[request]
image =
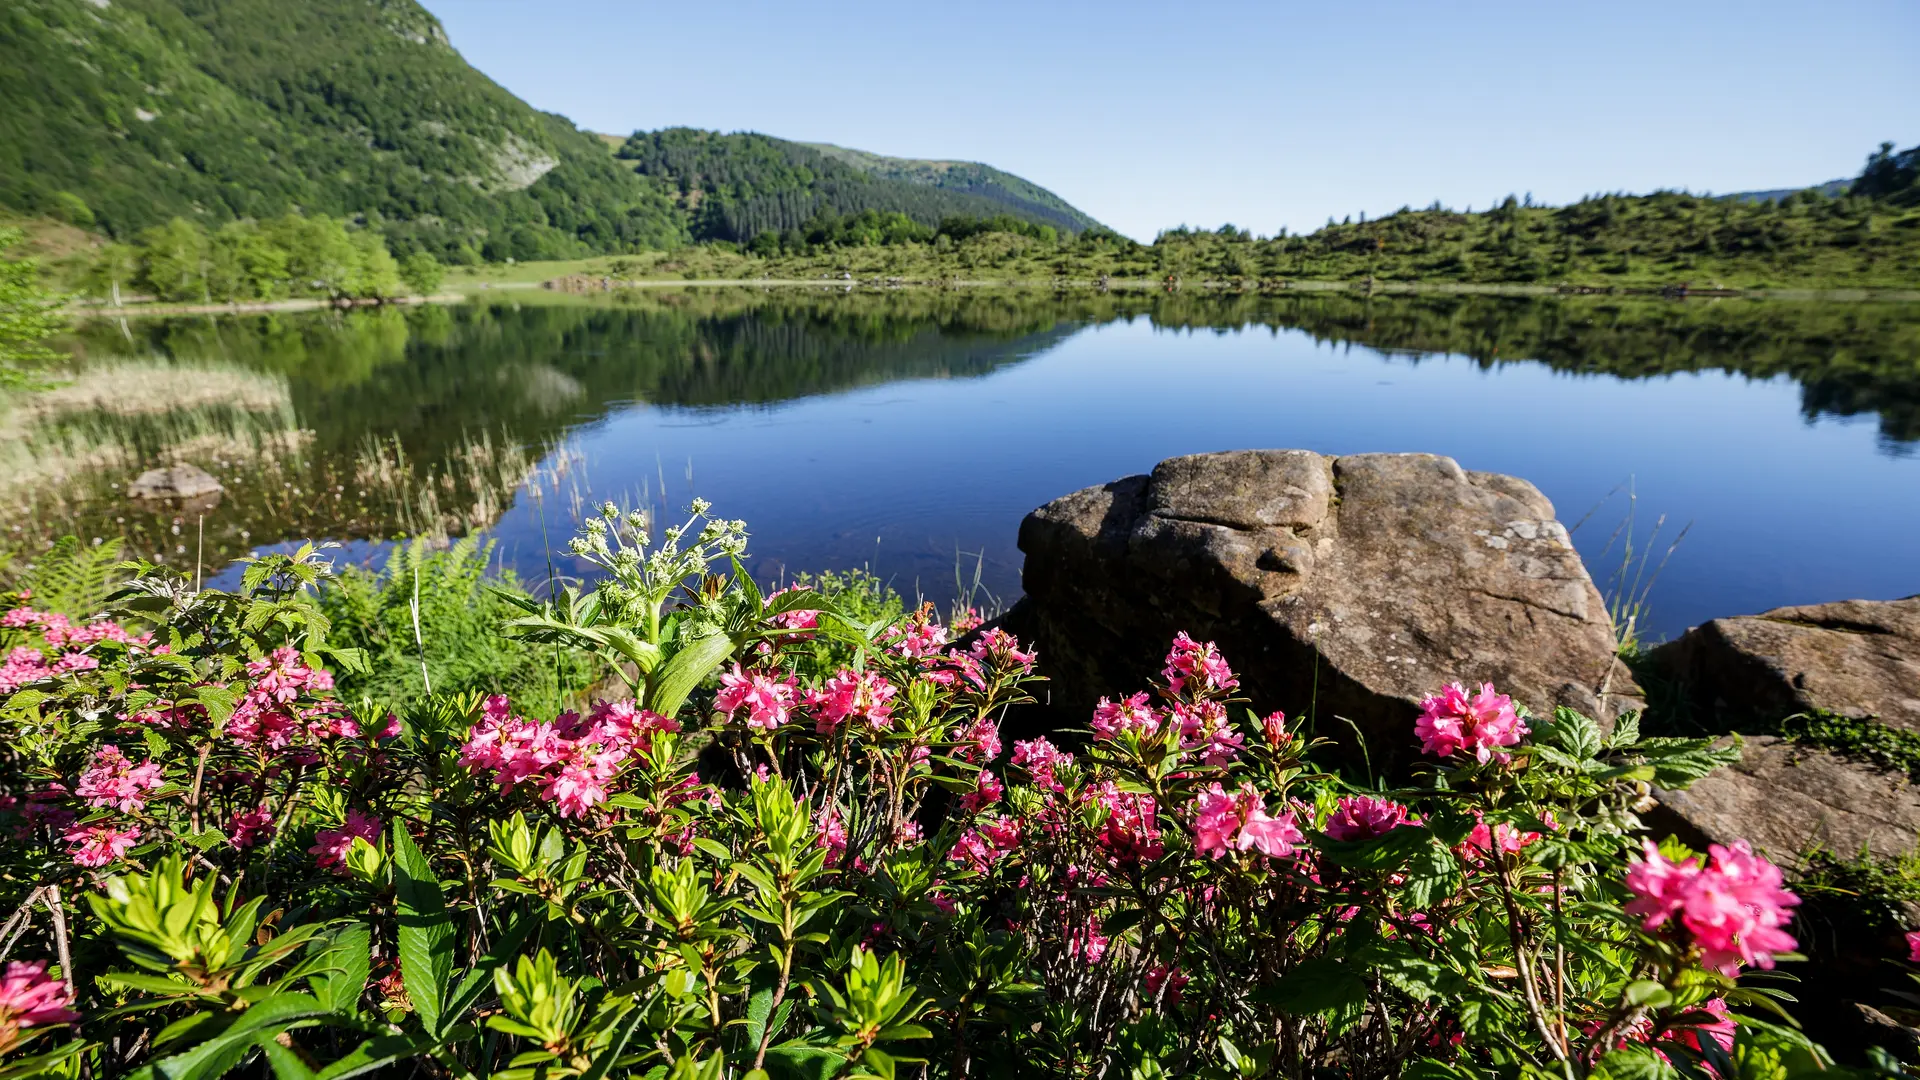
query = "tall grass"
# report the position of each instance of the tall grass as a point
(1629, 585)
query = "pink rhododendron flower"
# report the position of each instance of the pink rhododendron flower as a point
(919, 637)
(979, 741)
(833, 837)
(1205, 731)
(999, 649)
(767, 698)
(864, 696)
(250, 828)
(1040, 758)
(987, 790)
(114, 781)
(29, 997)
(1364, 817)
(1087, 944)
(1133, 714)
(1274, 727)
(1485, 839)
(1913, 946)
(330, 846)
(1733, 908)
(981, 846)
(1239, 821)
(966, 621)
(1131, 830)
(1451, 722)
(1172, 978)
(98, 845)
(1194, 668)
(576, 790)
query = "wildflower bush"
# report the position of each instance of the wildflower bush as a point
(795, 845)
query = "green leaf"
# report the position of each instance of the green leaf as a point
(377, 1053)
(425, 937)
(678, 676)
(286, 1064)
(1322, 986)
(220, 1053)
(1633, 1063)
(618, 1046)
(480, 978)
(351, 956)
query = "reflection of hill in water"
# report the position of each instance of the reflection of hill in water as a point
(435, 375)
(535, 370)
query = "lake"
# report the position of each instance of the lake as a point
(910, 432)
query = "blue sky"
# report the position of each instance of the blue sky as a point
(1148, 115)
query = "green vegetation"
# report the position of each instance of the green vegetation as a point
(272, 260)
(27, 315)
(122, 116)
(457, 606)
(749, 188)
(969, 177)
(762, 226)
(1862, 737)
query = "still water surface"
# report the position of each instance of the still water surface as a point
(912, 433)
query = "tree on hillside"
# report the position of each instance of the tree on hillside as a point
(113, 265)
(29, 314)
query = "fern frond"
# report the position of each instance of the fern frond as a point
(73, 578)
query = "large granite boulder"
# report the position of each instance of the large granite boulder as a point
(1858, 658)
(1340, 587)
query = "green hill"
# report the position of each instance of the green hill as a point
(969, 177)
(738, 186)
(124, 113)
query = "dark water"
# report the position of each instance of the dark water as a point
(910, 432)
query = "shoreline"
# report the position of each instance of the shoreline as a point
(467, 292)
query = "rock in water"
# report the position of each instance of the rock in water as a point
(1346, 587)
(174, 482)
(1857, 657)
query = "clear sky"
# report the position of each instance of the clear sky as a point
(1149, 115)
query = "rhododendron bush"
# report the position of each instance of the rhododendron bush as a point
(790, 842)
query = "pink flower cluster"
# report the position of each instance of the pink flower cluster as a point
(767, 698)
(1238, 821)
(1194, 668)
(981, 846)
(29, 997)
(572, 758)
(978, 741)
(1451, 722)
(330, 846)
(1131, 715)
(862, 696)
(1040, 757)
(66, 643)
(1205, 730)
(1131, 830)
(251, 828)
(1364, 817)
(272, 715)
(1733, 908)
(113, 780)
(97, 845)
(998, 649)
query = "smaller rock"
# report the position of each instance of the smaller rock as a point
(1859, 658)
(1787, 799)
(175, 482)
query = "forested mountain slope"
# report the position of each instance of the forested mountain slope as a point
(124, 113)
(971, 177)
(738, 186)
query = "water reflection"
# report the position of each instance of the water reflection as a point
(932, 420)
